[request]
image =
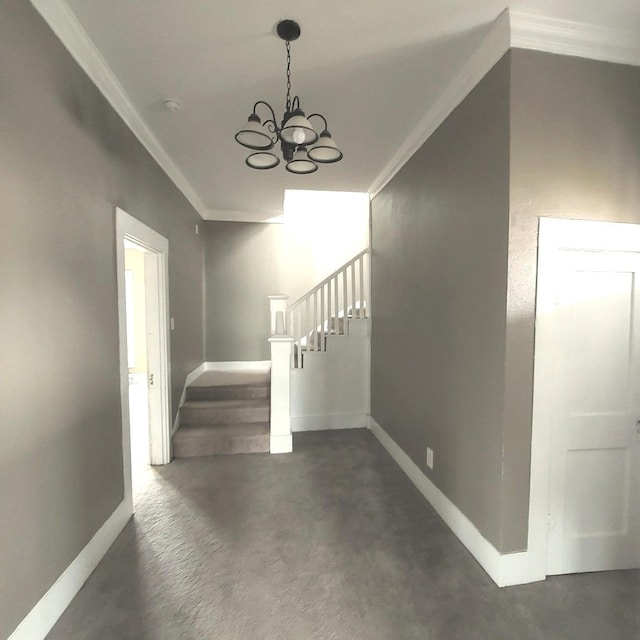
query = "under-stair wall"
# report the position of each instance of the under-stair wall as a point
(331, 391)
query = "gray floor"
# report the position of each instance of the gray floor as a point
(329, 542)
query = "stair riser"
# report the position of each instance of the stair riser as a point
(221, 415)
(212, 445)
(234, 392)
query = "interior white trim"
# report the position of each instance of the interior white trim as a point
(329, 422)
(128, 227)
(196, 373)
(494, 45)
(569, 38)
(243, 216)
(39, 621)
(504, 570)
(71, 33)
(281, 444)
(238, 365)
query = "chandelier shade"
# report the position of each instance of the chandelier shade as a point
(254, 136)
(300, 163)
(298, 130)
(325, 150)
(262, 160)
(301, 146)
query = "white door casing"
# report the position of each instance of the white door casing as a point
(585, 476)
(157, 314)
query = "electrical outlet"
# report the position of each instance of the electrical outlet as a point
(429, 458)
(197, 229)
(173, 324)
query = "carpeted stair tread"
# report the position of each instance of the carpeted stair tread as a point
(219, 378)
(229, 392)
(225, 411)
(224, 404)
(242, 428)
(221, 439)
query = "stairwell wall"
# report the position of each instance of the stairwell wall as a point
(67, 160)
(440, 233)
(248, 261)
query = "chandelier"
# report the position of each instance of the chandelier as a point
(301, 146)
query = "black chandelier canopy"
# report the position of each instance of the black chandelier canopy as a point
(301, 146)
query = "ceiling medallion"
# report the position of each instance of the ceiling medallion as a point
(301, 146)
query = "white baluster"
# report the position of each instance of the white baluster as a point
(315, 320)
(345, 297)
(361, 265)
(321, 348)
(337, 311)
(329, 307)
(353, 289)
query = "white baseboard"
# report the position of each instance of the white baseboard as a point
(326, 423)
(281, 444)
(51, 606)
(504, 570)
(238, 365)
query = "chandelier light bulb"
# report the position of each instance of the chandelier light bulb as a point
(298, 135)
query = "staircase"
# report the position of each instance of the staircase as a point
(225, 412)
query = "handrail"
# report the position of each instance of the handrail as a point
(327, 279)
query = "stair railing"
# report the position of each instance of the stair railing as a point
(324, 310)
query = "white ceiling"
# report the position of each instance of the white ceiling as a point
(372, 67)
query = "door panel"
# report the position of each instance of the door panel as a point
(593, 490)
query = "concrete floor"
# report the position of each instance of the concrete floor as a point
(331, 542)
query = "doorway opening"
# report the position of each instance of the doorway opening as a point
(143, 311)
(135, 300)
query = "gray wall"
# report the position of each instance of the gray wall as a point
(575, 153)
(439, 284)
(572, 138)
(242, 270)
(246, 262)
(66, 161)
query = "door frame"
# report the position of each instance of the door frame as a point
(555, 234)
(129, 228)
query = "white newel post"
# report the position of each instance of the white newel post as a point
(281, 342)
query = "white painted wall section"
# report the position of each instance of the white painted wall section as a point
(331, 391)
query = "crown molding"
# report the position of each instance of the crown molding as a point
(569, 38)
(494, 45)
(243, 216)
(521, 30)
(66, 26)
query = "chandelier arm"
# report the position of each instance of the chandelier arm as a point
(270, 124)
(266, 104)
(319, 115)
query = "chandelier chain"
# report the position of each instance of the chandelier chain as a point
(288, 76)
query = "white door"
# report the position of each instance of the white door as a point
(592, 335)
(154, 359)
